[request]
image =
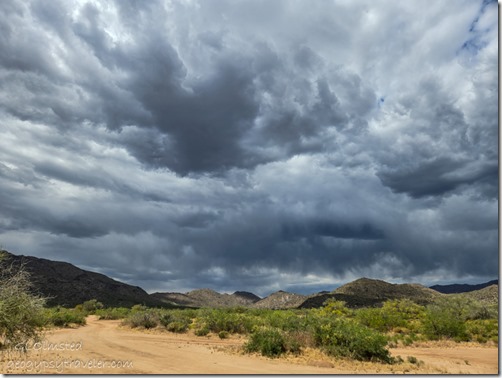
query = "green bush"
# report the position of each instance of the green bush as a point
(482, 330)
(218, 320)
(145, 319)
(223, 334)
(401, 315)
(335, 307)
(347, 338)
(91, 306)
(447, 319)
(269, 342)
(177, 327)
(64, 317)
(112, 313)
(176, 320)
(21, 313)
(202, 330)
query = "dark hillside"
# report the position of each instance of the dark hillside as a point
(66, 285)
(462, 288)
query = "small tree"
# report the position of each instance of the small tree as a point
(21, 313)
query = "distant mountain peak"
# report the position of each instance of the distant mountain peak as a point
(462, 288)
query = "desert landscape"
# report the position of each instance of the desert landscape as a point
(366, 326)
(154, 352)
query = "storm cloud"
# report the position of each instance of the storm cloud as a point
(249, 145)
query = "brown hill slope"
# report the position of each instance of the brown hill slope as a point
(381, 290)
(66, 285)
(208, 298)
(488, 295)
(281, 300)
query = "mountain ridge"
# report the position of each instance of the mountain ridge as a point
(67, 285)
(462, 288)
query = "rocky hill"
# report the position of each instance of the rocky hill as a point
(488, 295)
(366, 288)
(66, 285)
(208, 298)
(281, 300)
(351, 301)
(462, 288)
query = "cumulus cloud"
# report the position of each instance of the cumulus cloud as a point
(251, 145)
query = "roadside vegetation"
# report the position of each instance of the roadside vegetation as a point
(364, 334)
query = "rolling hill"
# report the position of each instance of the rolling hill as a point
(208, 298)
(382, 291)
(66, 285)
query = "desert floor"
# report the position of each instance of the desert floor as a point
(104, 347)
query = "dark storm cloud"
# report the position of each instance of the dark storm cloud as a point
(439, 176)
(329, 228)
(245, 145)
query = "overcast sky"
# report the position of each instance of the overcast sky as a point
(252, 145)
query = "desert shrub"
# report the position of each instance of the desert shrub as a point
(446, 319)
(334, 307)
(91, 306)
(166, 318)
(286, 320)
(21, 313)
(176, 320)
(223, 334)
(347, 338)
(202, 330)
(372, 318)
(112, 313)
(269, 342)
(218, 320)
(139, 308)
(177, 327)
(145, 319)
(482, 330)
(64, 317)
(481, 311)
(402, 316)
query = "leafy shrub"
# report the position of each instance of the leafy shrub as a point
(21, 313)
(412, 360)
(335, 307)
(176, 320)
(145, 319)
(202, 330)
(223, 334)
(112, 313)
(64, 317)
(138, 308)
(218, 320)
(91, 306)
(177, 326)
(446, 319)
(347, 338)
(402, 315)
(166, 318)
(482, 330)
(269, 342)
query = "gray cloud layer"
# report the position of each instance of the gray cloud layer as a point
(251, 145)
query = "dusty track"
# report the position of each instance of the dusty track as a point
(107, 343)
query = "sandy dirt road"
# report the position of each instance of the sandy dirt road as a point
(103, 347)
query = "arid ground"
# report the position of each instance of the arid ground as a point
(104, 347)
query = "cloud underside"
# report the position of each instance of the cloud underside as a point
(251, 145)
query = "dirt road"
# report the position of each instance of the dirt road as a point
(103, 347)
